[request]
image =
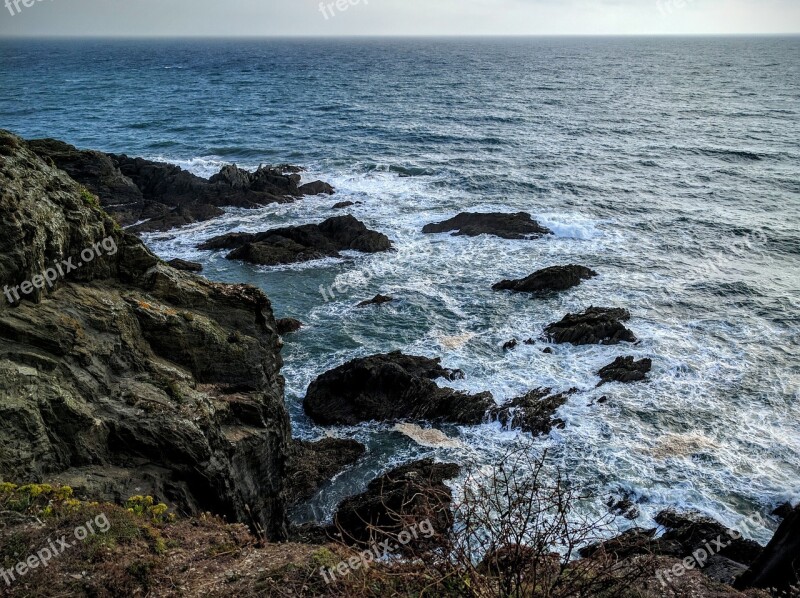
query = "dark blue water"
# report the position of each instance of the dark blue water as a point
(670, 165)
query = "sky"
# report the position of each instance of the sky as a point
(225, 18)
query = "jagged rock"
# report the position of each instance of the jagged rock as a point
(388, 387)
(180, 264)
(312, 464)
(287, 325)
(510, 345)
(506, 226)
(626, 370)
(376, 300)
(342, 204)
(317, 188)
(301, 243)
(533, 412)
(555, 278)
(596, 325)
(128, 373)
(397, 500)
(778, 565)
(154, 196)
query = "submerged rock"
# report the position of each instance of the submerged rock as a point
(312, 464)
(506, 226)
(155, 196)
(287, 325)
(625, 369)
(301, 243)
(596, 325)
(376, 300)
(555, 278)
(404, 497)
(534, 411)
(389, 387)
(128, 376)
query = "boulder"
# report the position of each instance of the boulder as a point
(312, 464)
(548, 280)
(342, 204)
(389, 387)
(128, 376)
(596, 325)
(287, 325)
(397, 501)
(510, 345)
(316, 188)
(533, 412)
(626, 370)
(506, 226)
(376, 300)
(294, 244)
(180, 264)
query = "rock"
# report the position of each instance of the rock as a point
(376, 300)
(530, 341)
(626, 370)
(596, 325)
(165, 196)
(179, 264)
(692, 531)
(287, 325)
(632, 542)
(137, 384)
(301, 243)
(342, 204)
(723, 569)
(506, 226)
(783, 511)
(316, 188)
(547, 350)
(398, 500)
(312, 464)
(603, 399)
(778, 565)
(389, 387)
(533, 412)
(510, 345)
(555, 278)
(624, 507)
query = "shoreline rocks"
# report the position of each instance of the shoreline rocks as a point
(596, 325)
(548, 280)
(293, 244)
(506, 226)
(388, 387)
(313, 464)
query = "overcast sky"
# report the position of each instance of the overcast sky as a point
(396, 17)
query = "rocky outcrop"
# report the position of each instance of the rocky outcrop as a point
(301, 243)
(126, 376)
(596, 325)
(154, 196)
(403, 498)
(548, 280)
(376, 300)
(180, 264)
(389, 387)
(312, 464)
(506, 226)
(534, 411)
(626, 370)
(778, 566)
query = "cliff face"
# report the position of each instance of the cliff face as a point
(120, 375)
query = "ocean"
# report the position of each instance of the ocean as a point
(669, 165)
